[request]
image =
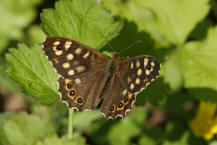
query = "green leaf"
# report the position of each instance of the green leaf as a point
(178, 105)
(155, 133)
(4, 40)
(131, 34)
(146, 140)
(213, 143)
(121, 132)
(35, 35)
(168, 21)
(5, 80)
(205, 94)
(199, 62)
(156, 93)
(173, 71)
(182, 141)
(16, 15)
(23, 129)
(81, 20)
(54, 140)
(33, 73)
(138, 115)
(3, 119)
(178, 135)
(84, 120)
(200, 31)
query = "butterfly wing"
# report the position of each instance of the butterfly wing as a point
(81, 69)
(132, 77)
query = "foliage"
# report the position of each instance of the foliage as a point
(80, 20)
(182, 34)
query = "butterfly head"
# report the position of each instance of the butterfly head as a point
(116, 57)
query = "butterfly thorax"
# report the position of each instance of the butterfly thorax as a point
(115, 61)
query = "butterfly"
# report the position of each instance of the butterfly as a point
(88, 77)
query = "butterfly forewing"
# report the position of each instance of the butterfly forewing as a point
(71, 58)
(132, 77)
(81, 69)
(138, 72)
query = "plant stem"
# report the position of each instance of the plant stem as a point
(70, 125)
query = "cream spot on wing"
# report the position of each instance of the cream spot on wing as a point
(59, 52)
(66, 65)
(145, 62)
(77, 81)
(124, 92)
(54, 48)
(129, 96)
(80, 68)
(131, 65)
(131, 86)
(67, 81)
(70, 56)
(67, 45)
(151, 69)
(137, 81)
(147, 72)
(129, 80)
(71, 72)
(137, 64)
(139, 72)
(78, 51)
(152, 79)
(56, 43)
(86, 55)
(152, 64)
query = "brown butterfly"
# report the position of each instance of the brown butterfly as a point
(87, 76)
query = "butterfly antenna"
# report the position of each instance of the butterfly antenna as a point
(106, 41)
(138, 41)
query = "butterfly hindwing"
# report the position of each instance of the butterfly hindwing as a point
(132, 77)
(81, 71)
(117, 100)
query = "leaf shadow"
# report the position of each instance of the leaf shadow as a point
(205, 94)
(129, 35)
(155, 93)
(178, 133)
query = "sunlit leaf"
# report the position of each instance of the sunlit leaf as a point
(81, 20)
(168, 21)
(23, 129)
(199, 62)
(33, 73)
